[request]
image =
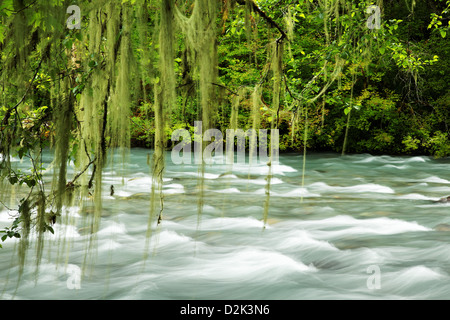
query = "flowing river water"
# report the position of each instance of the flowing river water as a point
(361, 227)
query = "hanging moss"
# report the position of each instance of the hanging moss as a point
(277, 69)
(25, 217)
(290, 25)
(142, 26)
(95, 112)
(305, 142)
(255, 119)
(200, 34)
(248, 16)
(41, 227)
(63, 121)
(166, 43)
(164, 100)
(236, 100)
(267, 190)
(21, 31)
(120, 103)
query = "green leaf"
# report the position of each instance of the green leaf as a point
(30, 182)
(13, 179)
(2, 34)
(16, 223)
(21, 152)
(4, 237)
(68, 43)
(443, 33)
(50, 229)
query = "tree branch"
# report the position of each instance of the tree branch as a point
(265, 17)
(8, 112)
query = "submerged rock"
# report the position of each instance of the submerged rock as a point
(444, 200)
(139, 196)
(90, 211)
(84, 231)
(442, 227)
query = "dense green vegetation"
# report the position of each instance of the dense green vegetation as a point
(393, 78)
(139, 69)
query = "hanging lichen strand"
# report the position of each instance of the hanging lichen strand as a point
(142, 26)
(235, 101)
(63, 106)
(200, 34)
(255, 119)
(95, 112)
(164, 101)
(15, 49)
(277, 69)
(120, 105)
(105, 105)
(199, 31)
(20, 28)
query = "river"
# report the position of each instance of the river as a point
(360, 227)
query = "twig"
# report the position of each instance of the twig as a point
(9, 209)
(81, 172)
(228, 89)
(8, 112)
(24, 8)
(265, 17)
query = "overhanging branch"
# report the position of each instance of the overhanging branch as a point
(271, 22)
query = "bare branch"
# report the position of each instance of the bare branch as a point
(265, 17)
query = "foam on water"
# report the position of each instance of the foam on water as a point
(250, 264)
(302, 240)
(320, 248)
(417, 196)
(206, 175)
(347, 226)
(297, 192)
(112, 228)
(228, 190)
(6, 218)
(417, 159)
(416, 282)
(262, 169)
(64, 232)
(109, 245)
(232, 224)
(435, 179)
(390, 160)
(366, 160)
(361, 188)
(262, 181)
(122, 193)
(402, 167)
(169, 238)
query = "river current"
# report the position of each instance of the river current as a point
(359, 227)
